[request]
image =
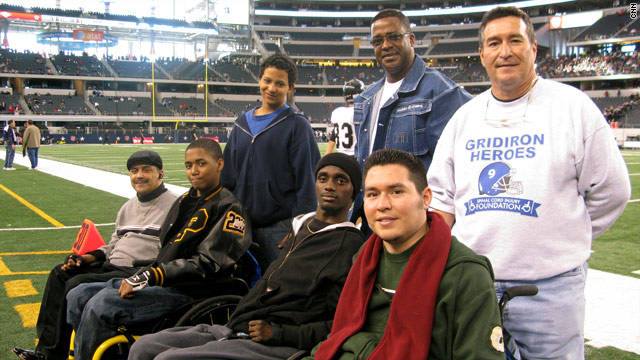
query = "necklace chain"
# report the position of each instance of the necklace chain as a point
(309, 228)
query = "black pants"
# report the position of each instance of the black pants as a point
(53, 331)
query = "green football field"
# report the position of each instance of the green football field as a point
(26, 256)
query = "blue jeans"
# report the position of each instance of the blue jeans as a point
(549, 325)
(9, 155)
(95, 310)
(33, 156)
(268, 237)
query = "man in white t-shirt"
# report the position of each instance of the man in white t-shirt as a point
(343, 136)
(530, 174)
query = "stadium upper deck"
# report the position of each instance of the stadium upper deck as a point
(328, 55)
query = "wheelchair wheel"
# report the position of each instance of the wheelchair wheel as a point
(212, 311)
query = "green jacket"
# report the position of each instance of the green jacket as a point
(467, 320)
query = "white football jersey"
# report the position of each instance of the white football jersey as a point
(344, 131)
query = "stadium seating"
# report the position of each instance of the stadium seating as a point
(22, 62)
(134, 69)
(57, 105)
(590, 65)
(79, 65)
(233, 71)
(605, 27)
(185, 106)
(470, 47)
(316, 112)
(632, 29)
(319, 50)
(233, 107)
(272, 48)
(10, 104)
(310, 74)
(467, 33)
(113, 105)
(338, 75)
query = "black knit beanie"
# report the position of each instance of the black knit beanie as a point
(348, 164)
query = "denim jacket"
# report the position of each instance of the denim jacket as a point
(413, 119)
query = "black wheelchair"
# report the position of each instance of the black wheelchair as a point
(511, 351)
(208, 307)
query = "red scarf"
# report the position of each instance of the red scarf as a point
(407, 334)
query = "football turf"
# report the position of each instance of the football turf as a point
(27, 256)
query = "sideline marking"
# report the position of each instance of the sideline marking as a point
(5, 271)
(18, 288)
(52, 228)
(28, 314)
(633, 201)
(634, 174)
(43, 252)
(32, 207)
(637, 272)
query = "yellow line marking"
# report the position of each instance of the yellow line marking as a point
(32, 207)
(28, 314)
(5, 271)
(18, 288)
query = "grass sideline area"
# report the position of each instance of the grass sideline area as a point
(27, 256)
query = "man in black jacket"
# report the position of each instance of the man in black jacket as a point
(291, 307)
(202, 237)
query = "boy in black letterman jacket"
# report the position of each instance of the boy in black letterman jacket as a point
(292, 306)
(205, 233)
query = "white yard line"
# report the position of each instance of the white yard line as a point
(612, 311)
(52, 228)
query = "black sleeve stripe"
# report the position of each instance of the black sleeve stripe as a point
(145, 231)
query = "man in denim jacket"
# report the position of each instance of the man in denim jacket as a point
(410, 107)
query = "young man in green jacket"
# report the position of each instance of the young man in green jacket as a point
(444, 304)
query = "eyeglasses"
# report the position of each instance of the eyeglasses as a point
(392, 37)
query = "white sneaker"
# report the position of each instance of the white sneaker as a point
(10, 168)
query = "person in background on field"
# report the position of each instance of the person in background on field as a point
(31, 143)
(343, 135)
(10, 142)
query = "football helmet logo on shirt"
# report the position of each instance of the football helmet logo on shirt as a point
(496, 179)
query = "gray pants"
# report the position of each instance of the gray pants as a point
(201, 342)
